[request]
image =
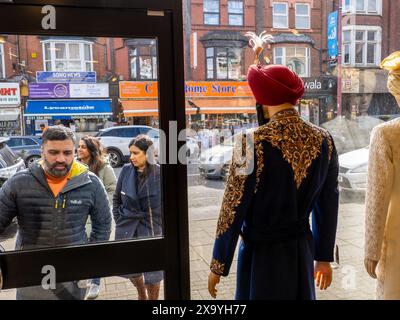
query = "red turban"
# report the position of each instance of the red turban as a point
(273, 84)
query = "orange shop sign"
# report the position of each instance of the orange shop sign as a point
(198, 89)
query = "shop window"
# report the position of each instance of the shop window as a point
(296, 58)
(280, 15)
(302, 16)
(2, 64)
(223, 63)
(235, 13)
(143, 60)
(68, 56)
(362, 6)
(362, 46)
(211, 12)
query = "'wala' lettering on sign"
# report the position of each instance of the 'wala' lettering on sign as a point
(9, 93)
(313, 85)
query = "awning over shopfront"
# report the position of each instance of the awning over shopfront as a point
(38, 108)
(146, 108)
(9, 114)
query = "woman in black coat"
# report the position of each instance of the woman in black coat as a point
(137, 208)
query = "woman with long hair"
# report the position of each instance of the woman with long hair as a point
(92, 153)
(137, 208)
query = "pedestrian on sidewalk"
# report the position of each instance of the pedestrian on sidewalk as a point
(280, 172)
(137, 208)
(52, 201)
(92, 153)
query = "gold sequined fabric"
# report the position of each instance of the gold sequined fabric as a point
(240, 168)
(300, 142)
(217, 267)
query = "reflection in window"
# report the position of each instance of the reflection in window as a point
(296, 58)
(2, 65)
(302, 16)
(224, 63)
(143, 60)
(280, 15)
(361, 46)
(211, 12)
(235, 13)
(68, 56)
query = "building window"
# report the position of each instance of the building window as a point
(280, 15)
(295, 58)
(2, 64)
(302, 16)
(68, 56)
(235, 13)
(362, 6)
(362, 46)
(223, 63)
(211, 12)
(143, 60)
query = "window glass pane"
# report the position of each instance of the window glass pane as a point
(210, 52)
(360, 5)
(87, 52)
(371, 35)
(278, 51)
(372, 6)
(371, 53)
(302, 22)
(302, 9)
(359, 35)
(297, 65)
(74, 66)
(290, 52)
(234, 63)
(47, 51)
(222, 64)
(60, 50)
(280, 22)
(210, 18)
(29, 142)
(133, 68)
(359, 52)
(278, 60)
(14, 142)
(300, 52)
(346, 36)
(211, 6)
(48, 65)
(210, 68)
(61, 66)
(145, 67)
(280, 8)
(88, 66)
(347, 54)
(235, 20)
(155, 75)
(133, 51)
(74, 51)
(235, 7)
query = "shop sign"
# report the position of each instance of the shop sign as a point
(319, 84)
(10, 93)
(68, 90)
(212, 89)
(67, 76)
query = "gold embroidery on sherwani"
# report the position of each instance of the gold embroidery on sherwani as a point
(299, 142)
(217, 267)
(238, 172)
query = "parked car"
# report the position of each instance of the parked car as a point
(214, 162)
(353, 170)
(10, 163)
(116, 141)
(26, 147)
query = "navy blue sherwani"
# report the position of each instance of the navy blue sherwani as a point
(279, 174)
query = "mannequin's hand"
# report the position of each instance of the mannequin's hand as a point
(213, 279)
(370, 266)
(323, 274)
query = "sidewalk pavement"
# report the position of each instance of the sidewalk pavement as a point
(350, 281)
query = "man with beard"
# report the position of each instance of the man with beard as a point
(52, 201)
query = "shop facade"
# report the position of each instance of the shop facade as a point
(10, 104)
